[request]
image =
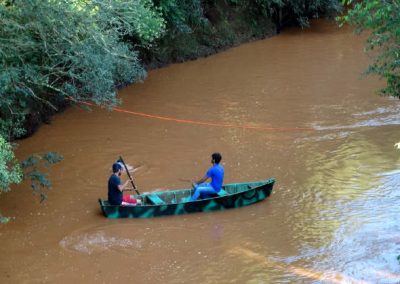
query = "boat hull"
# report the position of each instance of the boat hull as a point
(176, 202)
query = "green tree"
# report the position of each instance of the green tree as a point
(54, 52)
(13, 172)
(10, 170)
(382, 20)
(293, 11)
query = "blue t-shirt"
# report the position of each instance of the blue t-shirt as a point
(216, 173)
(114, 194)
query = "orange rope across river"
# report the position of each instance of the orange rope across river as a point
(205, 123)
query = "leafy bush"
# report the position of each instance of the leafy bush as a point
(59, 49)
(382, 20)
(10, 170)
(290, 12)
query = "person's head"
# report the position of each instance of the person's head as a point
(119, 162)
(116, 168)
(216, 158)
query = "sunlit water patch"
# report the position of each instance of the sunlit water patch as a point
(350, 240)
(322, 136)
(380, 116)
(366, 244)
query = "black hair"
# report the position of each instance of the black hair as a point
(216, 157)
(116, 167)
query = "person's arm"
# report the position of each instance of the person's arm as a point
(201, 180)
(205, 178)
(134, 170)
(131, 169)
(121, 187)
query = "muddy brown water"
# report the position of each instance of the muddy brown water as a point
(333, 215)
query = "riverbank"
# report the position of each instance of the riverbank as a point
(225, 27)
(179, 32)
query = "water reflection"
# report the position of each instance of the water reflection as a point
(346, 211)
(326, 276)
(362, 242)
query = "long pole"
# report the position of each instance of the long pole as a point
(129, 175)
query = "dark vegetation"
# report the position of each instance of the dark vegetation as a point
(382, 20)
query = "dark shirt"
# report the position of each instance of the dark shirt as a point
(114, 194)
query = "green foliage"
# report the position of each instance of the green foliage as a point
(176, 17)
(184, 21)
(382, 20)
(10, 170)
(181, 16)
(52, 50)
(57, 50)
(39, 179)
(127, 17)
(299, 11)
(304, 10)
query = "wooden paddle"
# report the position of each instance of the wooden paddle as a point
(129, 175)
(189, 181)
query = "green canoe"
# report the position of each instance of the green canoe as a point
(176, 202)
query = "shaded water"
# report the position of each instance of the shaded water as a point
(332, 217)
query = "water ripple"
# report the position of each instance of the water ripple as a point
(97, 242)
(377, 117)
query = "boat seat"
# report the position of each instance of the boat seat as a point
(155, 199)
(222, 192)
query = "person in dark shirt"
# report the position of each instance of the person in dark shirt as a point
(216, 174)
(115, 188)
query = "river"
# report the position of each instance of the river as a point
(319, 129)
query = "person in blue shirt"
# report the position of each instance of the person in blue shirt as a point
(115, 189)
(216, 174)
